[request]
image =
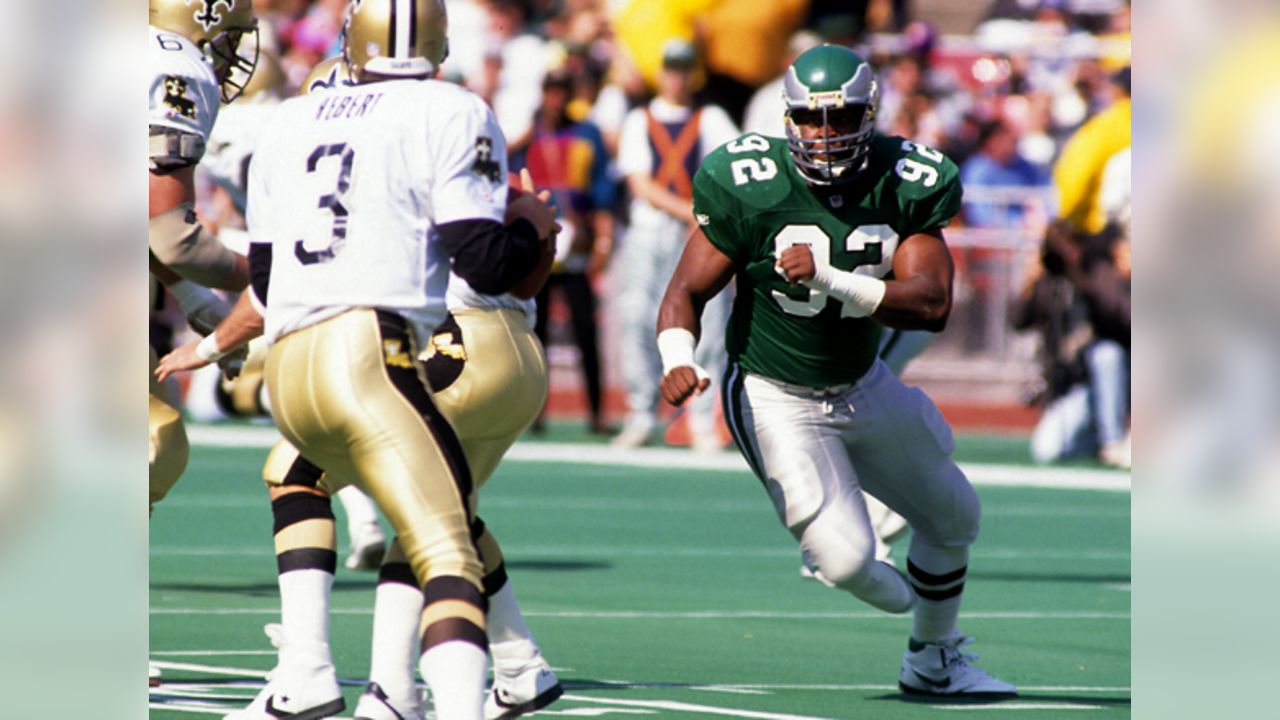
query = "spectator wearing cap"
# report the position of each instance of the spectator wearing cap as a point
(568, 157)
(660, 148)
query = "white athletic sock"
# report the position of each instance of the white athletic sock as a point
(396, 610)
(935, 621)
(514, 657)
(505, 622)
(304, 614)
(937, 577)
(359, 507)
(455, 672)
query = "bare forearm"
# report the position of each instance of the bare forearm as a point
(915, 303)
(661, 198)
(681, 309)
(602, 224)
(242, 325)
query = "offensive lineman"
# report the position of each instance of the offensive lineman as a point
(826, 231)
(195, 64)
(366, 195)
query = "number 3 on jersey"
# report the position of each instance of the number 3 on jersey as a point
(866, 240)
(331, 202)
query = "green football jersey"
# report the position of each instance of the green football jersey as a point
(752, 204)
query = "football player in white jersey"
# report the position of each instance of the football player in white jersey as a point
(194, 65)
(364, 197)
(226, 163)
(488, 374)
(484, 357)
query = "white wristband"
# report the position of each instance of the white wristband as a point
(208, 350)
(860, 293)
(676, 346)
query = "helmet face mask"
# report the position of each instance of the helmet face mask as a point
(831, 97)
(394, 38)
(235, 55)
(225, 31)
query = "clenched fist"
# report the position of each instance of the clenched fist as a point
(796, 264)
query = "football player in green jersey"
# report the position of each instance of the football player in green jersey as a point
(830, 234)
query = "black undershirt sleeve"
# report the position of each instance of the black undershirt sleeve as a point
(492, 257)
(260, 270)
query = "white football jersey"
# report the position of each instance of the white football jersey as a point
(462, 295)
(232, 142)
(184, 92)
(349, 185)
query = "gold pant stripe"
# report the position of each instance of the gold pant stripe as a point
(443, 609)
(318, 533)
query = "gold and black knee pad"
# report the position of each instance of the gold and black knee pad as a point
(304, 532)
(454, 609)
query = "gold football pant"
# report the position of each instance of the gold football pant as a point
(348, 395)
(167, 448)
(488, 373)
(495, 389)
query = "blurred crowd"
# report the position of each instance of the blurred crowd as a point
(1031, 102)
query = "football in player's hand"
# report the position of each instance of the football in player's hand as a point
(513, 187)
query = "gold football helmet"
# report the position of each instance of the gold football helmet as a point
(268, 80)
(394, 38)
(223, 29)
(325, 74)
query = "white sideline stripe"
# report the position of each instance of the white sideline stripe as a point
(729, 689)
(621, 684)
(831, 686)
(202, 653)
(689, 615)
(1019, 706)
(668, 458)
(769, 614)
(211, 710)
(689, 707)
(195, 667)
(203, 692)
